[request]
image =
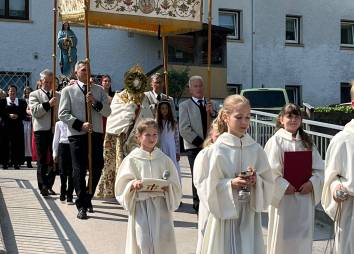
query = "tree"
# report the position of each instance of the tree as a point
(177, 82)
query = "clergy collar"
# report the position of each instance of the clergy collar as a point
(288, 135)
(9, 102)
(349, 127)
(142, 154)
(231, 140)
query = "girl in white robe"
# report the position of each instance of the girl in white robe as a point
(150, 225)
(292, 212)
(339, 174)
(199, 179)
(169, 134)
(234, 227)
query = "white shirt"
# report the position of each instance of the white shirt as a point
(196, 100)
(60, 136)
(9, 102)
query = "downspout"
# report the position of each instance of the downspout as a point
(252, 42)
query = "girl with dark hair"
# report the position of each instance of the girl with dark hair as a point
(291, 214)
(106, 83)
(168, 131)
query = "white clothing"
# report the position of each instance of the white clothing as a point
(27, 131)
(339, 169)
(169, 143)
(124, 114)
(291, 217)
(9, 102)
(60, 136)
(150, 225)
(234, 227)
(200, 175)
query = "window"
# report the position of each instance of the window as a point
(234, 88)
(292, 30)
(14, 9)
(19, 79)
(347, 33)
(231, 19)
(294, 94)
(345, 92)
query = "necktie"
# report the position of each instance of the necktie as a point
(85, 92)
(203, 115)
(158, 97)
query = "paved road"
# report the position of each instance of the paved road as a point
(32, 224)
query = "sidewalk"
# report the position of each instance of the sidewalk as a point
(32, 224)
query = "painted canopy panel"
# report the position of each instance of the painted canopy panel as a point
(148, 16)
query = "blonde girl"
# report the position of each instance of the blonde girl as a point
(234, 226)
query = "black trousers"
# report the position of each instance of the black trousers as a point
(13, 142)
(65, 170)
(191, 154)
(79, 149)
(45, 177)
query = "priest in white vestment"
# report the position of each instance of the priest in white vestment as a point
(150, 224)
(291, 217)
(128, 109)
(339, 175)
(234, 227)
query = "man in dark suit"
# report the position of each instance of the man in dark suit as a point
(41, 103)
(193, 127)
(73, 112)
(12, 112)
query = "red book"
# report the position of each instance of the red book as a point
(297, 167)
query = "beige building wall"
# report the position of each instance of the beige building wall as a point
(218, 79)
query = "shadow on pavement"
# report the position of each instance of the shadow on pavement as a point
(44, 229)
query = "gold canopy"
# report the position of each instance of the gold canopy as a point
(164, 17)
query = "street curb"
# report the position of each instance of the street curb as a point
(2, 244)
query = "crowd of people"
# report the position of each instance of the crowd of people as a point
(135, 156)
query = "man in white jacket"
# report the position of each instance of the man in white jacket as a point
(338, 189)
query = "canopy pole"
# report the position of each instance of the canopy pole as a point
(210, 4)
(54, 56)
(88, 105)
(165, 62)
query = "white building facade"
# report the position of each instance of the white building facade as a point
(304, 46)
(27, 45)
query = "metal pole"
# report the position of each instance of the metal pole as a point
(88, 106)
(210, 4)
(54, 56)
(165, 62)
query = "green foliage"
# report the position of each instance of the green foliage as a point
(338, 108)
(177, 82)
